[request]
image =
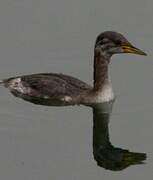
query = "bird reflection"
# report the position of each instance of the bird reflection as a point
(107, 155)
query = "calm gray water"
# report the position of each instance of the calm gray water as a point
(50, 143)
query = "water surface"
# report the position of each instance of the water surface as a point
(39, 142)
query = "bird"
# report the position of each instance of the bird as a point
(53, 89)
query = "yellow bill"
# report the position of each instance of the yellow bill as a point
(132, 49)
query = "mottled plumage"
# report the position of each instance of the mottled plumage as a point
(59, 89)
(47, 88)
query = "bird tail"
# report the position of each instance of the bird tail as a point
(1, 82)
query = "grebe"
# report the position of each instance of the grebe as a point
(59, 89)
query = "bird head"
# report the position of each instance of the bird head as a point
(109, 43)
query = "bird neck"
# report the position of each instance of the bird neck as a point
(101, 63)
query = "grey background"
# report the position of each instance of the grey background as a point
(39, 142)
